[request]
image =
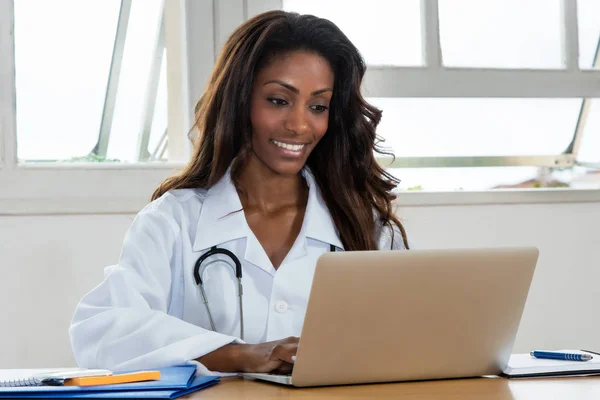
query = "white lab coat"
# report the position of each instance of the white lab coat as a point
(148, 311)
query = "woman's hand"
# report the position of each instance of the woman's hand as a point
(277, 356)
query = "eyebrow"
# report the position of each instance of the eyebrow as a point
(295, 90)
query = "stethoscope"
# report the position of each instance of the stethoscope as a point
(237, 269)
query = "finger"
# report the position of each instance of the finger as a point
(284, 368)
(291, 339)
(285, 352)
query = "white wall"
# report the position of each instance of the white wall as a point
(49, 262)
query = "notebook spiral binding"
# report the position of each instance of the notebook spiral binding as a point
(52, 378)
(31, 381)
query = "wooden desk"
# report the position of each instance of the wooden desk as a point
(580, 388)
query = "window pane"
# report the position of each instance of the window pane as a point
(142, 34)
(484, 178)
(450, 179)
(588, 20)
(159, 121)
(589, 150)
(387, 32)
(63, 50)
(501, 33)
(63, 56)
(476, 127)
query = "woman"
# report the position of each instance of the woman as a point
(283, 171)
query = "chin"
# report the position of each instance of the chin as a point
(287, 168)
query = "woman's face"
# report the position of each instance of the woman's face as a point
(289, 109)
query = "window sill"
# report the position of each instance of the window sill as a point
(102, 166)
(91, 188)
(126, 189)
(498, 196)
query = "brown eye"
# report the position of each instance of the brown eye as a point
(277, 102)
(319, 109)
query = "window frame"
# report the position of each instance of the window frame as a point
(195, 32)
(81, 188)
(434, 80)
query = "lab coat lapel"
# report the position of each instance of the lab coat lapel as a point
(318, 222)
(256, 255)
(221, 217)
(222, 220)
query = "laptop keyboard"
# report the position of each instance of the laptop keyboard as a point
(281, 374)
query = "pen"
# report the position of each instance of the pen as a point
(555, 355)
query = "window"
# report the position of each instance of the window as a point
(590, 142)
(390, 30)
(90, 80)
(418, 127)
(501, 33)
(116, 81)
(495, 97)
(588, 22)
(93, 115)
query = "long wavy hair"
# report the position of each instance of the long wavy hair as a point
(355, 188)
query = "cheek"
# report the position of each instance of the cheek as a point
(263, 121)
(320, 127)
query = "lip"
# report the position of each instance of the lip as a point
(287, 153)
(292, 143)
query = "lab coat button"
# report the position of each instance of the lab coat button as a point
(281, 306)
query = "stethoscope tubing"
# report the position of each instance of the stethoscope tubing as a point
(237, 269)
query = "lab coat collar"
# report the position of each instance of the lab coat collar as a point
(318, 222)
(222, 219)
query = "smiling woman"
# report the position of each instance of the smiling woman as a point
(282, 172)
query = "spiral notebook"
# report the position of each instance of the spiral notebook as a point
(47, 377)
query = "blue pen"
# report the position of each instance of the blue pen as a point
(555, 355)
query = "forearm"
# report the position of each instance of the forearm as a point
(228, 358)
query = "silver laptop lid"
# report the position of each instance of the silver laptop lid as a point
(408, 315)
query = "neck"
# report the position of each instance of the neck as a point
(262, 189)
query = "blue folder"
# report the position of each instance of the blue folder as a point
(174, 382)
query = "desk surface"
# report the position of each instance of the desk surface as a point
(580, 388)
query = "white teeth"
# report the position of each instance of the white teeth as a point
(293, 147)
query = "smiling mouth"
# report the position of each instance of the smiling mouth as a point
(288, 146)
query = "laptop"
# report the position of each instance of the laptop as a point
(390, 316)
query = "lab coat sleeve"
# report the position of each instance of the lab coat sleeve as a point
(124, 323)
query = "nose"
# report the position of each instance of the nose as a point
(297, 120)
